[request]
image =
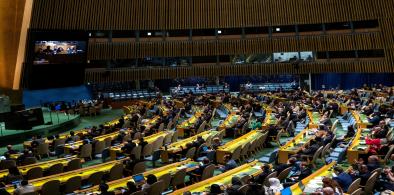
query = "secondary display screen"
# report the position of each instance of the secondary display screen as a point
(59, 52)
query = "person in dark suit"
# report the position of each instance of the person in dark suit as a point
(142, 142)
(128, 147)
(290, 163)
(196, 174)
(373, 163)
(313, 147)
(10, 150)
(343, 178)
(131, 188)
(230, 164)
(306, 170)
(363, 174)
(104, 189)
(261, 177)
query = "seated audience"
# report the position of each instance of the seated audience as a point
(230, 164)
(24, 188)
(150, 179)
(328, 182)
(13, 175)
(103, 187)
(274, 186)
(131, 188)
(342, 178)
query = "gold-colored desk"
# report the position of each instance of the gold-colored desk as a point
(44, 165)
(294, 145)
(229, 147)
(179, 145)
(361, 119)
(251, 169)
(358, 145)
(270, 119)
(231, 120)
(151, 122)
(187, 124)
(150, 139)
(63, 177)
(27, 144)
(314, 179)
(70, 147)
(314, 119)
(115, 185)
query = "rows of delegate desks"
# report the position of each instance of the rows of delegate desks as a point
(178, 146)
(314, 181)
(358, 145)
(188, 124)
(302, 139)
(149, 139)
(84, 173)
(44, 165)
(248, 169)
(270, 119)
(230, 121)
(27, 144)
(231, 146)
(314, 119)
(71, 147)
(295, 145)
(172, 168)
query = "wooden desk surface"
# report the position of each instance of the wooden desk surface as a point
(314, 179)
(63, 177)
(150, 139)
(188, 164)
(358, 145)
(314, 117)
(361, 119)
(27, 144)
(177, 146)
(151, 122)
(229, 147)
(44, 165)
(230, 121)
(270, 119)
(247, 138)
(294, 145)
(77, 144)
(189, 122)
(252, 168)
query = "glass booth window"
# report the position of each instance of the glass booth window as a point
(259, 58)
(306, 56)
(286, 57)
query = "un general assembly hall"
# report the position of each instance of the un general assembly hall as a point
(196, 97)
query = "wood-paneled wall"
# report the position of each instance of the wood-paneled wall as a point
(11, 16)
(332, 42)
(186, 14)
(128, 74)
(204, 14)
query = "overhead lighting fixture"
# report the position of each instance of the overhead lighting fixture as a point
(149, 34)
(219, 32)
(277, 29)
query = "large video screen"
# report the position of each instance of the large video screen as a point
(59, 52)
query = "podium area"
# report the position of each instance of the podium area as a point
(54, 122)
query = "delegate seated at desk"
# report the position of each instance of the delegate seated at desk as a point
(229, 164)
